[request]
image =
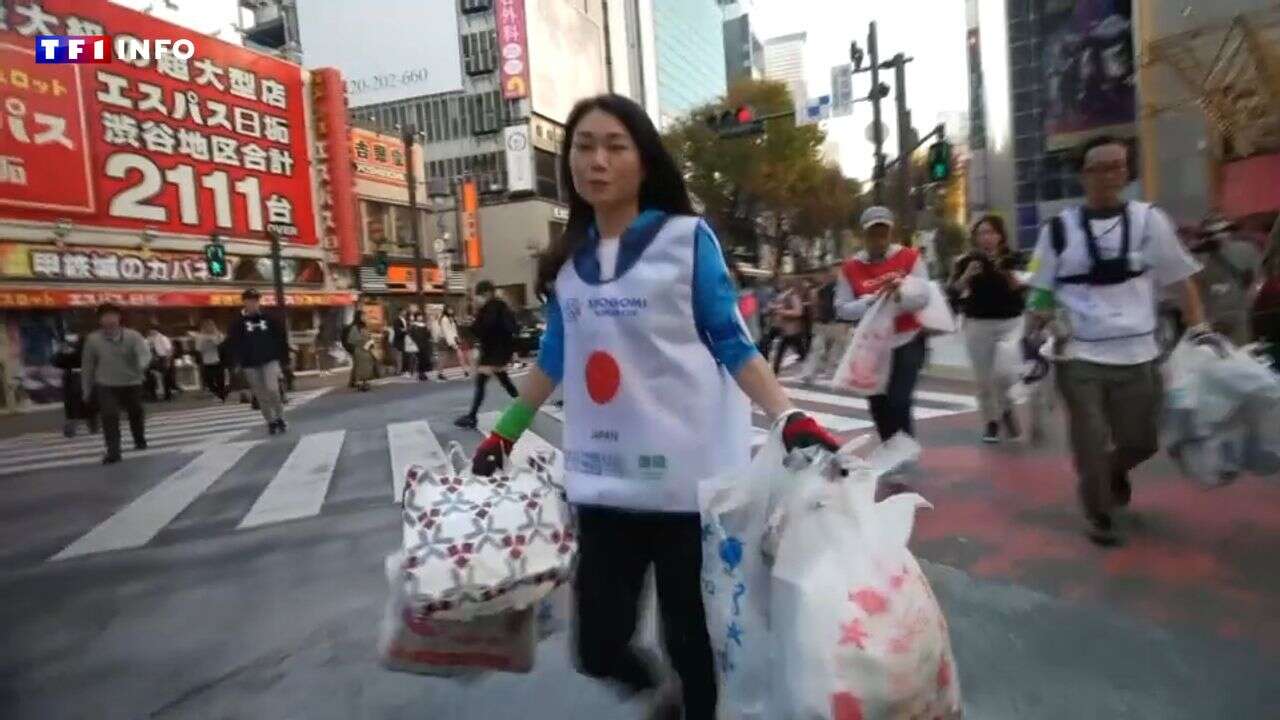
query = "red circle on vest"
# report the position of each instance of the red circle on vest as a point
(603, 377)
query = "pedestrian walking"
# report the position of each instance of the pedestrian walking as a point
(258, 347)
(75, 409)
(495, 329)
(881, 268)
(162, 377)
(992, 301)
(830, 333)
(658, 374)
(363, 362)
(748, 304)
(420, 338)
(1230, 278)
(449, 335)
(113, 368)
(767, 295)
(789, 319)
(401, 358)
(209, 351)
(1102, 264)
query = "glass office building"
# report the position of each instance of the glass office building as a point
(688, 38)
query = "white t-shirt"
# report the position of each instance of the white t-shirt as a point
(1166, 260)
(608, 256)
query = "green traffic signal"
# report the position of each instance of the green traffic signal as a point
(940, 161)
(380, 263)
(215, 259)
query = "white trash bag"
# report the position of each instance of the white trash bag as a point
(815, 607)
(868, 360)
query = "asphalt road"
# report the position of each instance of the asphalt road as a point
(127, 593)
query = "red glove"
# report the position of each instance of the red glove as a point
(801, 431)
(491, 455)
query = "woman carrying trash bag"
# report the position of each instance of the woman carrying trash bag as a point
(644, 335)
(992, 299)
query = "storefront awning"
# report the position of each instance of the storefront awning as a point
(28, 297)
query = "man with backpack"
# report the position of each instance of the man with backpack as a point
(829, 332)
(1099, 267)
(1229, 280)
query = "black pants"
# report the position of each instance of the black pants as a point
(482, 380)
(766, 342)
(892, 411)
(793, 342)
(215, 380)
(616, 548)
(110, 401)
(162, 377)
(424, 362)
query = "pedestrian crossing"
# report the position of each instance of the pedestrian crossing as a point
(452, 374)
(304, 481)
(169, 431)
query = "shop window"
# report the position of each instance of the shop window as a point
(544, 168)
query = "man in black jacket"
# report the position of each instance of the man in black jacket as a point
(257, 344)
(495, 329)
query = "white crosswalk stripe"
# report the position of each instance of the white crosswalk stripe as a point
(167, 431)
(412, 443)
(140, 520)
(298, 489)
(452, 374)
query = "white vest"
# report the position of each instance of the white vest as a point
(1099, 313)
(648, 411)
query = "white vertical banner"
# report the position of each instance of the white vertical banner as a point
(842, 90)
(519, 158)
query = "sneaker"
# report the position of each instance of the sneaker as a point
(111, 458)
(992, 435)
(140, 445)
(440, 377)
(466, 421)
(1102, 531)
(1011, 427)
(271, 428)
(664, 702)
(282, 426)
(1121, 488)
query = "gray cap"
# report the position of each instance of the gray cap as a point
(877, 215)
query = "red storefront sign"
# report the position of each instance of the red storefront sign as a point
(469, 224)
(1250, 186)
(337, 185)
(36, 299)
(217, 143)
(513, 49)
(378, 158)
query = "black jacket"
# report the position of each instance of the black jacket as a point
(254, 341)
(990, 297)
(398, 333)
(495, 328)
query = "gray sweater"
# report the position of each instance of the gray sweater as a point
(117, 361)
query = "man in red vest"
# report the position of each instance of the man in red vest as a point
(884, 267)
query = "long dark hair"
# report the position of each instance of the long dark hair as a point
(997, 224)
(662, 188)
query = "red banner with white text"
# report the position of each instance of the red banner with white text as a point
(213, 144)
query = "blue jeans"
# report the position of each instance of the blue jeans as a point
(892, 411)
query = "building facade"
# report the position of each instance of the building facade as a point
(784, 62)
(743, 51)
(499, 130)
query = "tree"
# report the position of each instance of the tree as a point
(764, 189)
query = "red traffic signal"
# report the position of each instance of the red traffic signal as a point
(745, 114)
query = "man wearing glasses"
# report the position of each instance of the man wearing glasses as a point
(1099, 268)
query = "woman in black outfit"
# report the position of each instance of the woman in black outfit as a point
(495, 329)
(992, 300)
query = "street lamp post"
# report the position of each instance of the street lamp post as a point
(409, 136)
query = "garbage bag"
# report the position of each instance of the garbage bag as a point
(413, 640)
(815, 607)
(868, 360)
(482, 545)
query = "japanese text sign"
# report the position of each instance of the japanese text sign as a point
(513, 47)
(214, 144)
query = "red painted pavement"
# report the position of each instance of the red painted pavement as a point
(1194, 558)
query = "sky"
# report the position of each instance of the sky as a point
(931, 31)
(204, 16)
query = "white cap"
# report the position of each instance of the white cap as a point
(877, 215)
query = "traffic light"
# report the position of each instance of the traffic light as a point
(380, 263)
(738, 122)
(856, 56)
(879, 92)
(939, 161)
(215, 259)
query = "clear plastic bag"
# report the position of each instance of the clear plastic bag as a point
(868, 361)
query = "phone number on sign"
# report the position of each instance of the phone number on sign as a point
(386, 81)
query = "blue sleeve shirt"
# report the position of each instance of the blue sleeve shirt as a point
(715, 313)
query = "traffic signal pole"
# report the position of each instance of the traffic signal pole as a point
(903, 189)
(877, 128)
(410, 133)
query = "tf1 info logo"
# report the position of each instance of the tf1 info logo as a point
(77, 49)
